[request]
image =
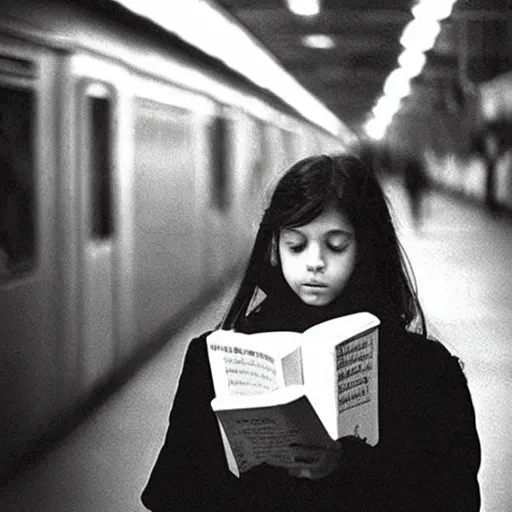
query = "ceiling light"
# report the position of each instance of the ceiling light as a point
(304, 7)
(412, 62)
(397, 84)
(418, 37)
(434, 9)
(320, 41)
(386, 107)
(375, 128)
(420, 34)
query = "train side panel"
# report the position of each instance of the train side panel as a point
(166, 250)
(29, 274)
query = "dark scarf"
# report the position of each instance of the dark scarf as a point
(283, 310)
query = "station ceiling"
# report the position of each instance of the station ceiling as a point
(474, 45)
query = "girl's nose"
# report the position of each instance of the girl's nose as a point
(315, 261)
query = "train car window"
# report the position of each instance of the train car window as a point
(100, 163)
(17, 182)
(219, 140)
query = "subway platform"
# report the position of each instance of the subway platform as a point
(462, 257)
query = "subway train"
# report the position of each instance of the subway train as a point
(132, 171)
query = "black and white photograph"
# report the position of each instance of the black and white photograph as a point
(255, 255)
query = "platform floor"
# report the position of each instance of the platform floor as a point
(463, 262)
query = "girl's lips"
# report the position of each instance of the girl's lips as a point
(315, 285)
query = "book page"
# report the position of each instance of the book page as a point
(265, 433)
(354, 366)
(247, 371)
(244, 364)
(340, 374)
(357, 386)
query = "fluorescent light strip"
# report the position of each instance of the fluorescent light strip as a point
(375, 128)
(202, 24)
(320, 41)
(397, 84)
(304, 7)
(434, 9)
(418, 37)
(420, 34)
(412, 62)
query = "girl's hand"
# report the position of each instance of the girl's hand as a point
(347, 453)
(318, 462)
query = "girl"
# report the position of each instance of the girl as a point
(326, 247)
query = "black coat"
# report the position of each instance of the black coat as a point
(427, 458)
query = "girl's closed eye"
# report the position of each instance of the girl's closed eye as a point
(338, 243)
(337, 248)
(296, 248)
(293, 241)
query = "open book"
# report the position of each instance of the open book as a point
(276, 389)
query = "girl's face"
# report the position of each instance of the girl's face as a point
(319, 258)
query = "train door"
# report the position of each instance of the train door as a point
(29, 285)
(103, 242)
(166, 213)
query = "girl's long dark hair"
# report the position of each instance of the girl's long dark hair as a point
(302, 194)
